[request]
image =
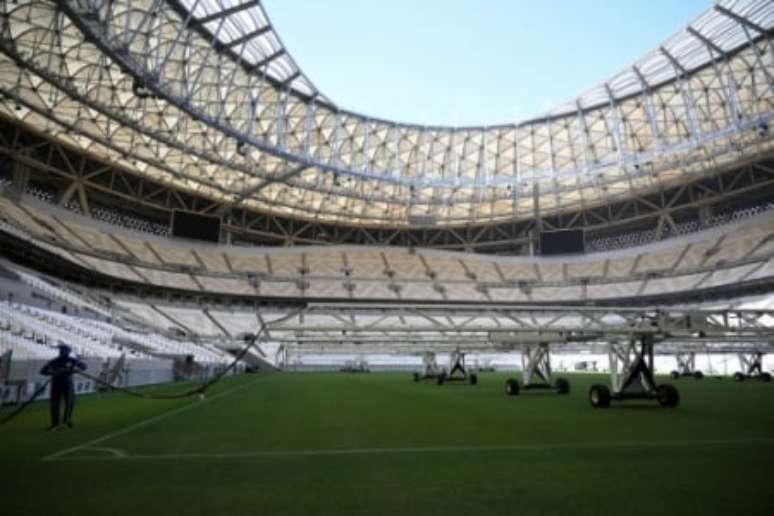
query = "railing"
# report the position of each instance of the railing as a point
(627, 240)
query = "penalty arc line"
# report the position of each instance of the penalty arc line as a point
(433, 449)
(146, 422)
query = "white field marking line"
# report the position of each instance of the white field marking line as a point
(115, 452)
(146, 422)
(434, 449)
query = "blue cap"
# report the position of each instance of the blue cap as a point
(64, 349)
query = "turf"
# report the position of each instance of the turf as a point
(289, 444)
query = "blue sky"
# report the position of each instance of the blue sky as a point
(474, 62)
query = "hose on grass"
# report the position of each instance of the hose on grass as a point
(199, 390)
(18, 410)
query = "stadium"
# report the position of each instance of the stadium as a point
(267, 303)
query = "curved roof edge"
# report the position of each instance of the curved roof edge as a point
(719, 32)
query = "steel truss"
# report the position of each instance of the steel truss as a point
(281, 359)
(412, 344)
(631, 368)
(430, 368)
(686, 366)
(430, 365)
(536, 371)
(156, 87)
(751, 364)
(74, 176)
(507, 327)
(630, 335)
(536, 362)
(458, 371)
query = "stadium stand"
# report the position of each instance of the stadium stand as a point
(350, 243)
(38, 331)
(38, 313)
(708, 258)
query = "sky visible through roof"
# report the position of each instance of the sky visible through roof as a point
(455, 62)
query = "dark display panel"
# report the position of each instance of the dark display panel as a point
(562, 242)
(195, 226)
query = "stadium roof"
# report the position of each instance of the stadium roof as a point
(711, 37)
(242, 28)
(202, 95)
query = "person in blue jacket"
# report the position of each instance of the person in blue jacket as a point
(61, 370)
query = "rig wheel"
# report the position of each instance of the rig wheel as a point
(473, 379)
(739, 377)
(698, 375)
(675, 375)
(667, 395)
(766, 377)
(599, 396)
(562, 386)
(511, 387)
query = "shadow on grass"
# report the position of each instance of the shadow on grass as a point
(641, 406)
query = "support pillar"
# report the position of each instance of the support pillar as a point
(631, 376)
(686, 365)
(751, 365)
(536, 365)
(536, 372)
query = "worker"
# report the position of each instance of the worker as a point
(61, 370)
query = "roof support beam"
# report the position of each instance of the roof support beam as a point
(685, 91)
(740, 19)
(708, 42)
(247, 192)
(756, 50)
(225, 12)
(268, 59)
(673, 60)
(292, 78)
(244, 39)
(588, 154)
(647, 100)
(615, 121)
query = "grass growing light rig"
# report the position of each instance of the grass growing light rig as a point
(536, 367)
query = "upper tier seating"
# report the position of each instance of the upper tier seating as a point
(721, 256)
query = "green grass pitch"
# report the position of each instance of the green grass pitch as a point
(301, 444)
